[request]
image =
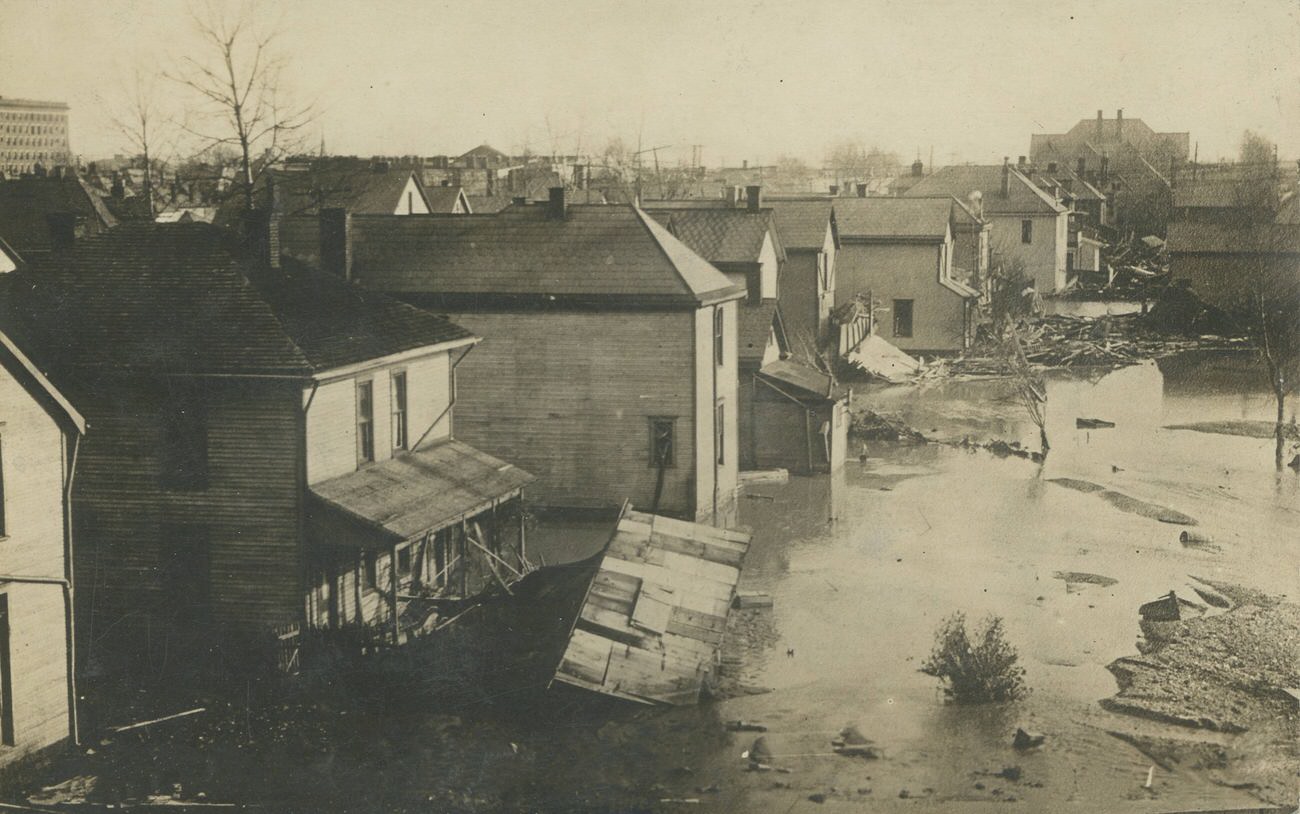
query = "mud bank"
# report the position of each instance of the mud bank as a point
(1228, 682)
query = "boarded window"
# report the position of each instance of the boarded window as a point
(184, 445)
(662, 441)
(903, 318)
(1026, 231)
(398, 380)
(365, 422)
(719, 345)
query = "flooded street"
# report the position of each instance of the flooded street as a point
(863, 566)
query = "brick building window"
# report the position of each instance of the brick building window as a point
(365, 422)
(662, 430)
(903, 318)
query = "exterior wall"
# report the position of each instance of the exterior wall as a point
(905, 271)
(768, 270)
(332, 414)
(716, 384)
(802, 309)
(568, 396)
(1089, 256)
(300, 237)
(411, 202)
(790, 436)
(32, 453)
(130, 528)
(32, 133)
(1044, 257)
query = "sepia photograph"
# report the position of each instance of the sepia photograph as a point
(621, 406)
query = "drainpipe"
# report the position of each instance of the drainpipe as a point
(74, 730)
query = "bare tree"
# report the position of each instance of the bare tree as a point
(1270, 309)
(138, 117)
(237, 78)
(1013, 300)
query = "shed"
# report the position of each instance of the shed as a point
(801, 419)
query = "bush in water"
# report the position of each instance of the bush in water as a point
(978, 667)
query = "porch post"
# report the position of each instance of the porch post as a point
(392, 570)
(523, 537)
(464, 562)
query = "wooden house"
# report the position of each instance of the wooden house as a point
(39, 436)
(39, 215)
(806, 287)
(609, 366)
(273, 447)
(742, 244)
(900, 251)
(1026, 223)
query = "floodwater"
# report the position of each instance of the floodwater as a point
(863, 566)
(1090, 308)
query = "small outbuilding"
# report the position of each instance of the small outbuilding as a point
(801, 418)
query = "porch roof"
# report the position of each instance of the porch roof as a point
(807, 381)
(416, 492)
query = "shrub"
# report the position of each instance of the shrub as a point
(977, 672)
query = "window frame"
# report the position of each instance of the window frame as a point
(720, 432)
(370, 570)
(654, 422)
(911, 319)
(398, 397)
(365, 421)
(403, 553)
(1027, 231)
(719, 337)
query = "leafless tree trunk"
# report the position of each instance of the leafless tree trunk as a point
(138, 117)
(243, 104)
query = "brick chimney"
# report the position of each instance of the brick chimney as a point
(1020, 163)
(336, 242)
(118, 189)
(63, 229)
(1101, 129)
(1119, 124)
(918, 168)
(557, 207)
(1006, 177)
(753, 197)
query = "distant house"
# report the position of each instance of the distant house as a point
(39, 435)
(38, 215)
(900, 251)
(448, 200)
(609, 367)
(1230, 194)
(1222, 263)
(273, 447)
(806, 288)
(742, 244)
(1025, 222)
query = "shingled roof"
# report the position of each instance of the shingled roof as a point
(25, 204)
(176, 299)
(722, 235)
(894, 218)
(595, 253)
(802, 224)
(959, 181)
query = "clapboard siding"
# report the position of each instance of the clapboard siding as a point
(568, 396)
(32, 454)
(716, 384)
(907, 272)
(249, 511)
(332, 414)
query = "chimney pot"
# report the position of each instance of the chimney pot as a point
(336, 242)
(754, 197)
(558, 207)
(918, 168)
(1020, 161)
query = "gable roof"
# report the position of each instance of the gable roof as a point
(894, 218)
(1023, 197)
(754, 325)
(26, 202)
(447, 200)
(357, 187)
(175, 299)
(485, 151)
(488, 204)
(802, 224)
(605, 253)
(29, 375)
(722, 235)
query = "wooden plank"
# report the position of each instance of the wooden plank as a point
(587, 657)
(703, 549)
(654, 606)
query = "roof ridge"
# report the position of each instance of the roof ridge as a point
(644, 219)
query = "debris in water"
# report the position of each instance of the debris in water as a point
(1024, 740)
(1197, 539)
(1084, 578)
(745, 726)
(852, 743)
(751, 599)
(764, 476)
(1092, 424)
(1012, 773)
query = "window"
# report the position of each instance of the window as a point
(404, 560)
(661, 442)
(720, 431)
(370, 567)
(718, 344)
(185, 445)
(903, 318)
(365, 422)
(398, 382)
(1026, 231)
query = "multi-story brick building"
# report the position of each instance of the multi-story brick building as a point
(32, 133)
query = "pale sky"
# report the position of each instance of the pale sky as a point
(746, 79)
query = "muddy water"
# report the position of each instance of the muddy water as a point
(864, 565)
